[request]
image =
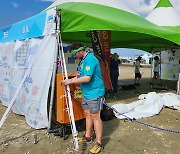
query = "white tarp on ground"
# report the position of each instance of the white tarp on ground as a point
(149, 105)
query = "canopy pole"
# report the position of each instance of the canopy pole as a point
(72, 120)
(54, 69)
(160, 65)
(178, 85)
(70, 108)
(152, 61)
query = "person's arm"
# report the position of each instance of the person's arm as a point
(119, 62)
(83, 79)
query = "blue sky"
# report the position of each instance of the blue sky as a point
(12, 11)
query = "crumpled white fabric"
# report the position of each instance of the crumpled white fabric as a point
(149, 105)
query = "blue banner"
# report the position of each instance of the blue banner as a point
(29, 28)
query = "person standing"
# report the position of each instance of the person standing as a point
(92, 85)
(156, 70)
(114, 71)
(137, 71)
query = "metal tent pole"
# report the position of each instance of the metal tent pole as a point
(178, 85)
(72, 120)
(54, 69)
(160, 66)
(70, 105)
(152, 61)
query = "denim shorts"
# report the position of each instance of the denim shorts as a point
(94, 105)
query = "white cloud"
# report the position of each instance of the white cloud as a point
(142, 7)
(176, 4)
(14, 4)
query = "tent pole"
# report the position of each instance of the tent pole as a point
(152, 64)
(72, 120)
(160, 66)
(178, 85)
(70, 105)
(54, 69)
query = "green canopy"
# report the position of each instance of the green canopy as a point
(127, 29)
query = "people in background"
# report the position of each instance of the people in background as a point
(114, 71)
(156, 70)
(93, 90)
(137, 71)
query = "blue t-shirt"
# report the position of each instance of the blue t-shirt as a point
(90, 66)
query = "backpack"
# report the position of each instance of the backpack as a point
(106, 113)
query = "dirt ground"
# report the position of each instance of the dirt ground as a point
(119, 136)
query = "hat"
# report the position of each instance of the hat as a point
(156, 58)
(77, 50)
(115, 55)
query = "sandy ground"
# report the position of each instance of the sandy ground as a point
(119, 136)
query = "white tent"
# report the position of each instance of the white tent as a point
(164, 14)
(146, 57)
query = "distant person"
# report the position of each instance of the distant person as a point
(114, 71)
(156, 70)
(137, 71)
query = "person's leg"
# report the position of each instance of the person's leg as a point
(116, 83)
(112, 80)
(89, 123)
(138, 78)
(137, 82)
(98, 127)
(154, 77)
(158, 78)
(95, 109)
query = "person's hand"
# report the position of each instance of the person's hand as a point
(66, 81)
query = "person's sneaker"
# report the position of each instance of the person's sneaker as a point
(97, 148)
(85, 139)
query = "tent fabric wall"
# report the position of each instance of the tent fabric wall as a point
(170, 67)
(27, 64)
(31, 101)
